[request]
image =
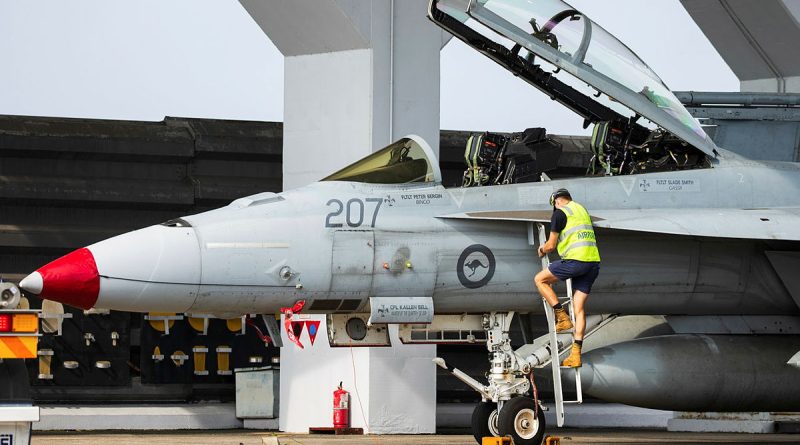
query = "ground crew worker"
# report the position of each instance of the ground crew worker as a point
(572, 234)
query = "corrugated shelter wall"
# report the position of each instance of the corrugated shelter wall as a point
(66, 183)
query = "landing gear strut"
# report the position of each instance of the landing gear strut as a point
(507, 408)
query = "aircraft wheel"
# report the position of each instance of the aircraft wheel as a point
(484, 421)
(521, 419)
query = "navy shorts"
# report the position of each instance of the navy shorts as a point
(582, 273)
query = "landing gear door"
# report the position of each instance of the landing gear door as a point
(352, 263)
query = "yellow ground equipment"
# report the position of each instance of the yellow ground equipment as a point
(19, 333)
(497, 441)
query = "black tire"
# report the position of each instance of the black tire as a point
(516, 419)
(484, 421)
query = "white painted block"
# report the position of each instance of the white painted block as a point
(392, 390)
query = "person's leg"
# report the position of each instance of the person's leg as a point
(582, 285)
(578, 301)
(544, 282)
(579, 298)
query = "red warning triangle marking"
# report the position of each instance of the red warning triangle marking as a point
(297, 328)
(313, 328)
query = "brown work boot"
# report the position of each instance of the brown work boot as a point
(563, 323)
(574, 359)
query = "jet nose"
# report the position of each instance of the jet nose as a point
(72, 279)
(153, 269)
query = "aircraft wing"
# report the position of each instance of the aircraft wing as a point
(767, 224)
(504, 215)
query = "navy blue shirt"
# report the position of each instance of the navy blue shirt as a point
(558, 221)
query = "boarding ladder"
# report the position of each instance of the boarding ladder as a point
(555, 360)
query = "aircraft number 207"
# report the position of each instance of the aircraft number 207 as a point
(353, 210)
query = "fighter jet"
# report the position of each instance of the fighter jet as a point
(687, 230)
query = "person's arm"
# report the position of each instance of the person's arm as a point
(550, 245)
(557, 223)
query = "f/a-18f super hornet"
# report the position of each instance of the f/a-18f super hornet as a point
(688, 230)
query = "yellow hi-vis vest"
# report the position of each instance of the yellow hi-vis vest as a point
(577, 241)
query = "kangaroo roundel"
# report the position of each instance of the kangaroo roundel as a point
(475, 266)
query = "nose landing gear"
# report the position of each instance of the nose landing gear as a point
(507, 408)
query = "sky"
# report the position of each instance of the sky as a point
(146, 59)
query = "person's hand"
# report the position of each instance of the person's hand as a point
(540, 251)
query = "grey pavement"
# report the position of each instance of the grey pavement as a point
(242, 437)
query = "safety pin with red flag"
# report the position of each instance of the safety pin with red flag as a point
(287, 321)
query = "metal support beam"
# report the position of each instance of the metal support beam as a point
(756, 39)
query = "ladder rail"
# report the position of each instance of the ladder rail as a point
(556, 353)
(578, 388)
(554, 363)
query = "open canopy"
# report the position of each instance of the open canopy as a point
(516, 32)
(409, 160)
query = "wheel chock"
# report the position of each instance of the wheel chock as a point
(199, 323)
(45, 362)
(53, 316)
(552, 440)
(179, 358)
(161, 321)
(236, 325)
(199, 353)
(157, 355)
(497, 441)
(224, 360)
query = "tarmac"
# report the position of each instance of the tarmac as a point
(244, 437)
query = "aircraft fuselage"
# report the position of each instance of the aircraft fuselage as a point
(335, 244)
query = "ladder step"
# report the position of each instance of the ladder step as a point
(573, 402)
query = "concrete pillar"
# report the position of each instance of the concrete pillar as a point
(327, 114)
(359, 74)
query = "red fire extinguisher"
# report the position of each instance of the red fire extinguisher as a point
(341, 408)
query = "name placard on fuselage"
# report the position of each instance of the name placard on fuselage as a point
(401, 310)
(669, 185)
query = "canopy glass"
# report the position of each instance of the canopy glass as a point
(403, 162)
(561, 35)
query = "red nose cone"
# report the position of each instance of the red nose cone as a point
(71, 279)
